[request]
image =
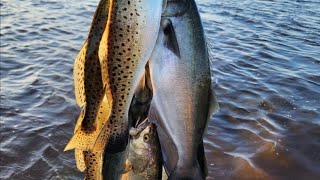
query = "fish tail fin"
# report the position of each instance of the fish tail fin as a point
(198, 171)
(101, 141)
(80, 138)
(85, 141)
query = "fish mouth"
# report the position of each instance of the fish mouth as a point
(145, 125)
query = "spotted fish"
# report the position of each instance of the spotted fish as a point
(106, 73)
(114, 166)
(109, 65)
(90, 89)
(90, 92)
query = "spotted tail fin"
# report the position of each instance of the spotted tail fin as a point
(83, 140)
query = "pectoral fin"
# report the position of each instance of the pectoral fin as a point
(170, 39)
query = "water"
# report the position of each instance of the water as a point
(265, 65)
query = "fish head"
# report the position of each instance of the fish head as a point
(144, 139)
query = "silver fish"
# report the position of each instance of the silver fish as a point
(183, 99)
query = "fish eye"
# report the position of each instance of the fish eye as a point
(146, 138)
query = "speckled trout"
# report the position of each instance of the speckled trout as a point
(108, 69)
(106, 73)
(183, 99)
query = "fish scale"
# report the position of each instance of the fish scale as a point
(107, 71)
(129, 48)
(124, 54)
(126, 44)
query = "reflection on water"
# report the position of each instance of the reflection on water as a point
(265, 65)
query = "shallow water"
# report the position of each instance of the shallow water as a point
(265, 65)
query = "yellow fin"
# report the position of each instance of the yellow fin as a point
(101, 140)
(79, 154)
(83, 140)
(78, 75)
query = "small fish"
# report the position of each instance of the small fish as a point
(183, 99)
(144, 153)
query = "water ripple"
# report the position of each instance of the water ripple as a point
(265, 68)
